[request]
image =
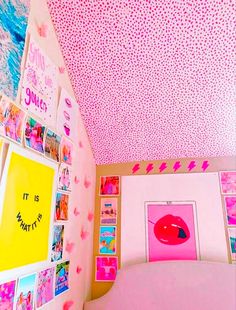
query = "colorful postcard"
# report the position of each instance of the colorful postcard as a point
(171, 230)
(13, 24)
(4, 103)
(110, 186)
(61, 210)
(67, 116)
(26, 292)
(39, 84)
(64, 178)
(52, 145)
(57, 243)
(230, 204)
(106, 268)
(228, 182)
(34, 135)
(7, 295)
(62, 278)
(45, 287)
(232, 240)
(108, 214)
(66, 151)
(13, 122)
(107, 240)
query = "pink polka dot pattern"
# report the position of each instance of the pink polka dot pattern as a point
(153, 79)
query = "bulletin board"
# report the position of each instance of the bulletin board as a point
(27, 186)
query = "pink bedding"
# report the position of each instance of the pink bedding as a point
(172, 285)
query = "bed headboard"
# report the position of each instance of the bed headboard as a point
(171, 285)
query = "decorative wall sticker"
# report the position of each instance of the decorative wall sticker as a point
(52, 145)
(61, 207)
(106, 268)
(28, 182)
(110, 185)
(7, 295)
(205, 165)
(62, 278)
(83, 233)
(42, 30)
(191, 165)
(69, 246)
(87, 182)
(45, 287)
(176, 166)
(81, 144)
(13, 24)
(171, 231)
(78, 269)
(61, 70)
(39, 85)
(162, 167)
(90, 216)
(57, 243)
(68, 304)
(76, 212)
(76, 180)
(34, 135)
(230, 204)
(135, 168)
(149, 168)
(26, 292)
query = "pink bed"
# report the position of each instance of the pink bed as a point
(172, 285)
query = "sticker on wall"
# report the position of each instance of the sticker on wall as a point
(110, 186)
(228, 182)
(64, 178)
(106, 268)
(28, 183)
(108, 213)
(26, 292)
(107, 240)
(45, 287)
(62, 278)
(230, 204)
(232, 241)
(57, 243)
(34, 135)
(7, 295)
(67, 116)
(171, 231)
(61, 209)
(66, 151)
(52, 145)
(39, 85)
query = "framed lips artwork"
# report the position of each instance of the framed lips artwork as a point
(171, 231)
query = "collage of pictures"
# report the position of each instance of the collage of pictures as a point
(107, 261)
(228, 190)
(35, 126)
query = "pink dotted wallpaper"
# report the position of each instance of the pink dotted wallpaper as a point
(153, 79)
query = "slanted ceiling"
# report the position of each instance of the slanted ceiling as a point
(153, 79)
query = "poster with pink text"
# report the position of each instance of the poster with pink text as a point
(7, 295)
(67, 116)
(228, 182)
(39, 85)
(106, 268)
(171, 231)
(45, 287)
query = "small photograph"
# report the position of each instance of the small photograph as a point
(52, 145)
(57, 244)
(64, 178)
(34, 135)
(7, 295)
(107, 240)
(232, 241)
(13, 122)
(61, 210)
(45, 287)
(66, 151)
(108, 214)
(230, 204)
(62, 278)
(26, 292)
(228, 182)
(106, 268)
(110, 186)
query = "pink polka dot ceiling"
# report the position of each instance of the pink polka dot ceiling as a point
(153, 79)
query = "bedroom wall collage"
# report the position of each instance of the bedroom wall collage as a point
(220, 167)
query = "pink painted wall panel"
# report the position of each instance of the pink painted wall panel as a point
(153, 79)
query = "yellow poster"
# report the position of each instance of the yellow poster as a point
(26, 209)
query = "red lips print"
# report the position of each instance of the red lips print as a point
(171, 230)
